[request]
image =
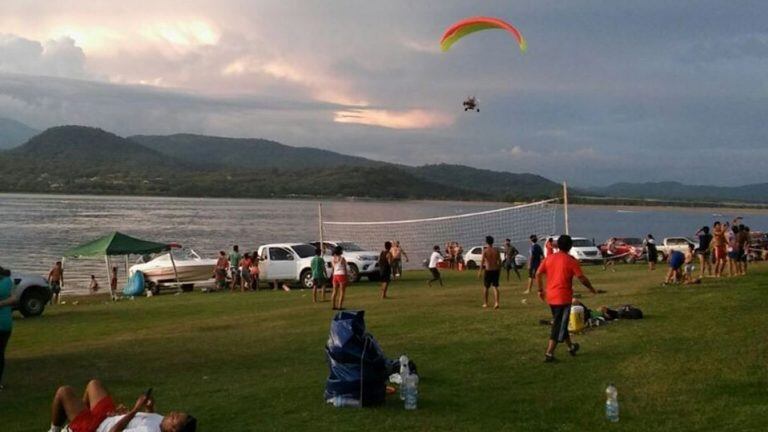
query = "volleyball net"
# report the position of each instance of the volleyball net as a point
(418, 236)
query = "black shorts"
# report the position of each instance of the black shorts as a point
(491, 277)
(385, 274)
(318, 282)
(435, 272)
(56, 287)
(532, 271)
(560, 316)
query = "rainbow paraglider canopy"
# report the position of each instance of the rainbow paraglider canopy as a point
(475, 24)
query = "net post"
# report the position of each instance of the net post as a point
(320, 227)
(565, 207)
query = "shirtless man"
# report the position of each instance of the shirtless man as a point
(490, 264)
(96, 411)
(510, 252)
(56, 280)
(397, 259)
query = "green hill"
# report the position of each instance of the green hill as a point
(505, 185)
(77, 159)
(14, 133)
(91, 149)
(212, 151)
(753, 193)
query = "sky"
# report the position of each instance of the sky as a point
(608, 91)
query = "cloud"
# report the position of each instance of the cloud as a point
(638, 90)
(410, 119)
(430, 47)
(60, 57)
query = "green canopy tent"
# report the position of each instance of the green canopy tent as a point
(117, 243)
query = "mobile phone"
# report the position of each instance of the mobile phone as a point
(148, 393)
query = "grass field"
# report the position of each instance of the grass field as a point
(255, 361)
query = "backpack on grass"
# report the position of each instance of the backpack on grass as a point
(630, 312)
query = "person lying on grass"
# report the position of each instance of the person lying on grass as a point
(96, 412)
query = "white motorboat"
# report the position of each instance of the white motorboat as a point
(190, 267)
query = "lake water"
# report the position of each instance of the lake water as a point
(36, 229)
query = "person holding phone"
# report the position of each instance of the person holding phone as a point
(96, 412)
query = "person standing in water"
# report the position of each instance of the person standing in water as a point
(113, 283)
(93, 287)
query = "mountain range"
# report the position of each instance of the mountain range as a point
(667, 190)
(79, 159)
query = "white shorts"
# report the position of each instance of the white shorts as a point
(689, 269)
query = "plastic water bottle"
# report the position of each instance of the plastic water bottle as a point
(411, 391)
(611, 403)
(404, 372)
(340, 401)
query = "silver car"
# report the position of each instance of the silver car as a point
(33, 293)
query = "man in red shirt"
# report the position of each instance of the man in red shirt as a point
(559, 270)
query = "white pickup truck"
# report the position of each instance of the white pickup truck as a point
(670, 244)
(286, 262)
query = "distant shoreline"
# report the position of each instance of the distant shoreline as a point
(573, 200)
(650, 202)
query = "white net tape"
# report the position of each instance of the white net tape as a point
(418, 236)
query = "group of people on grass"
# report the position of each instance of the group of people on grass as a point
(723, 250)
(242, 270)
(390, 264)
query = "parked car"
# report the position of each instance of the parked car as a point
(758, 245)
(33, 293)
(474, 257)
(286, 262)
(630, 247)
(583, 249)
(670, 244)
(360, 261)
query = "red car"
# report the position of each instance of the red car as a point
(631, 248)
